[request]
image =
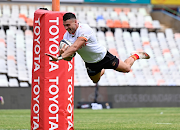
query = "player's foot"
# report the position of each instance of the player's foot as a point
(1, 100)
(142, 55)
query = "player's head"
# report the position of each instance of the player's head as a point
(70, 22)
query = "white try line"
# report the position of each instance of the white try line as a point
(164, 123)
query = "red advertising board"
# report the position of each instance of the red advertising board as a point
(52, 100)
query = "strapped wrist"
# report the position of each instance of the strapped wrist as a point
(60, 57)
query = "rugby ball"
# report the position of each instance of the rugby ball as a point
(67, 43)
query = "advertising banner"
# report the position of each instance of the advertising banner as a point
(120, 1)
(167, 2)
(74, 1)
(129, 96)
(52, 93)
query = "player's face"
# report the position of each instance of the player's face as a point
(70, 25)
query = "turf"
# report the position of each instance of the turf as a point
(106, 119)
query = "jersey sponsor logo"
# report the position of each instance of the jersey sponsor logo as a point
(113, 63)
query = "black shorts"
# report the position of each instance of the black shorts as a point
(109, 62)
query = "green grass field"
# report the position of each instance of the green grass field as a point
(106, 119)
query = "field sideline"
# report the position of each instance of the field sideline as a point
(106, 119)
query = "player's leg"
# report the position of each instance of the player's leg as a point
(126, 65)
(1, 100)
(96, 78)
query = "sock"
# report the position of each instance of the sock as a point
(135, 56)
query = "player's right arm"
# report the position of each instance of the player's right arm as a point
(74, 47)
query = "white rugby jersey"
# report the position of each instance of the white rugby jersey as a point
(91, 51)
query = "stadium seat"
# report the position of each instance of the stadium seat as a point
(70, 9)
(124, 20)
(160, 36)
(21, 22)
(161, 82)
(85, 8)
(31, 11)
(143, 11)
(132, 20)
(110, 23)
(109, 9)
(2, 34)
(144, 32)
(99, 17)
(126, 10)
(169, 33)
(175, 53)
(111, 78)
(12, 67)
(13, 82)
(140, 21)
(134, 10)
(152, 36)
(4, 20)
(114, 52)
(3, 81)
(171, 43)
(106, 15)
(94, 9)
(117, 24)
(29, 21)
(154, 44)
(90, 15)
(3, 66)
(126, 35)
(118, 32)
(3, 48)
(109, 34)
(63, 8)
(135, 37)
(13, 22)
(15, 11)
(177, 35)
(6, 11)
(148, 22)
(114, 15)
(101, 23)
(24, 84)
(103, 81)
(24, 10)
(156, 24)
(100, 9)
(100, 35)
(117, 10)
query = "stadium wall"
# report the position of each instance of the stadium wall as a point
(167, 18)
(120, 97)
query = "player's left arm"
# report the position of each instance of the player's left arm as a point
(80, 41)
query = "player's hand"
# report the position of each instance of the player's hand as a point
(53, 58)
(62, 50)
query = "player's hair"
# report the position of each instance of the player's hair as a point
(68, 16)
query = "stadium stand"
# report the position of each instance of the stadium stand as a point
(120, 30)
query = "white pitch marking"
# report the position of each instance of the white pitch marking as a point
(164, 123)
